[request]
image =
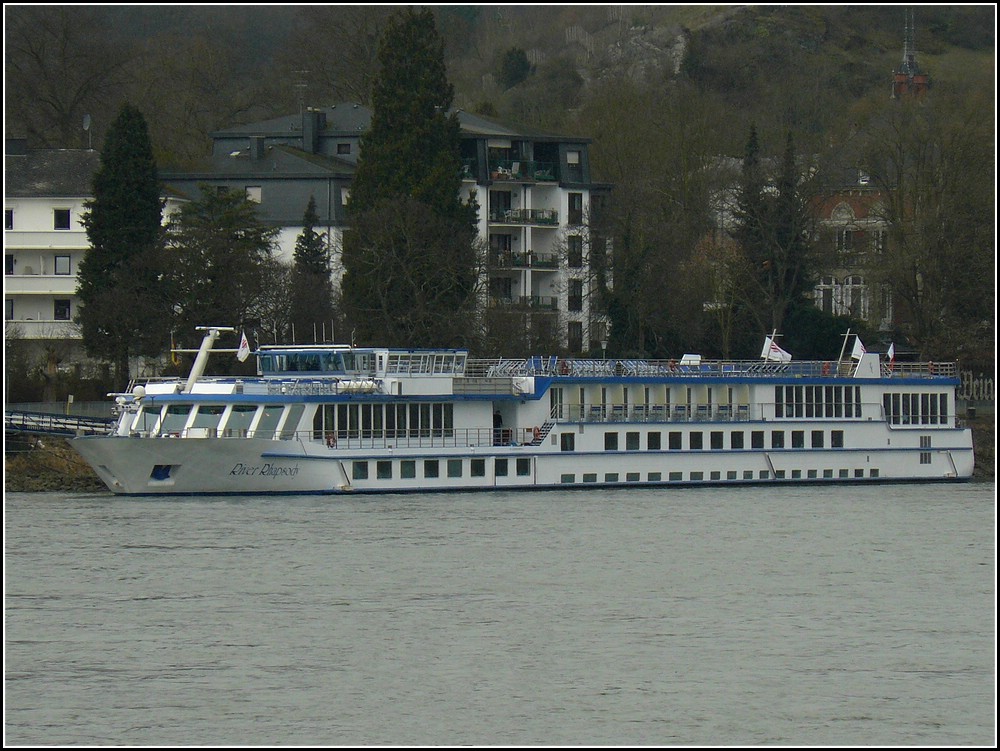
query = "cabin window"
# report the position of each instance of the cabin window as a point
(632, 441)
(268, 421)
(777, 439)
(500, 468)
(696, 441)
(567, 442)
(292, 420)
(454, 468)
(817, 439)
(757, 439)
(383, 470)
(837, 439)
(208, 416)
(610, 477)
(175, 419)
(477, 468)
(716, 438)
(653, 441)
(431, 468)
(359, 471)
(610, 441)
(674, 440)
(736, 439)
(408, 469)
(523, 467)
(60, 219)
(798, 439)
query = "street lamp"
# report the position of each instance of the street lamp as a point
(604, 349)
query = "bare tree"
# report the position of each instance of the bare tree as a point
(61, 65)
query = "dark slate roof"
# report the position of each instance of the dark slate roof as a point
(279, 160)
(341, 119)
(353, 119)
(42, 173)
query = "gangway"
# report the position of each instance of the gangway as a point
(51, 424)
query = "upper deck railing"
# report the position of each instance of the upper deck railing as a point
(585, 368)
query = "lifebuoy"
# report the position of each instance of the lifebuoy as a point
(331, 441)
(826, 368)
(536, 433)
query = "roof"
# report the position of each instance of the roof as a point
(348, 118)
(278, 161)
(42, 173)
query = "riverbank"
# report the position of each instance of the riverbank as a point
(49, 464)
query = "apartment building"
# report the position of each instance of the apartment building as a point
(534, 191)
(44, 239)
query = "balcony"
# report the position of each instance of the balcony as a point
(46, 240)
(48, 329)
(529, 260)
(539, 217)
(40, 284)
(511, 169)
(526, 303)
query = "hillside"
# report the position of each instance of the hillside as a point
(797, 67)
(193, 69)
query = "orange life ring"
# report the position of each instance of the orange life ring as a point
(826, 368)
(536, 433)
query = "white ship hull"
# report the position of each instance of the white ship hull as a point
(344, 420)
(255, 466)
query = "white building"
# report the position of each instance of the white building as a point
(534, 191)
(44, 240)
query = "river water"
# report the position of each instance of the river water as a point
(788, 616)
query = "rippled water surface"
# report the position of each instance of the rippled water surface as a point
(787, 616)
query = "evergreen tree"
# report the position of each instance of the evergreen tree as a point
(312, 301)
(221, 264)
(514, 67)
(395, 290)
(123, 311)
(772, 230)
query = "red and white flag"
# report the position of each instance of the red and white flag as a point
(891, 355)
(772, 351)
(244, 351)
(859, 348)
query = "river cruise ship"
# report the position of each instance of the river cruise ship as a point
(341, 419)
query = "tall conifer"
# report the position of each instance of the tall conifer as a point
(122, 311)
(409, 254)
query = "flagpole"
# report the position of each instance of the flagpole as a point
(840, 359)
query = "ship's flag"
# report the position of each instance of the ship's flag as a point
(859, 348)
(244, 351)
(772, 351)
(891, 355)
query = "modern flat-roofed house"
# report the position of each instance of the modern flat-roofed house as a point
(534, 192)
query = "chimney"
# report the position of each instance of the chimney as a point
(313, 123)
(256, 148)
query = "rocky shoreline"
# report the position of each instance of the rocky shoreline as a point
(49, 464)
